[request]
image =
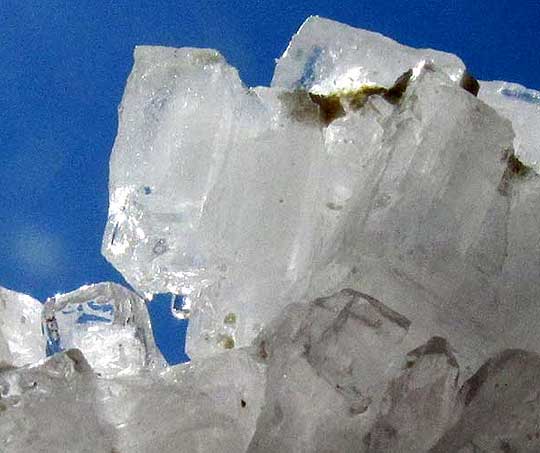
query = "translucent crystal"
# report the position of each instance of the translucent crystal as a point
(184, 222)
(208, 406)
(325, 56)
(367, 164)
(62, 406)
(51, 407)
(420, 403)
(108, 323)
(328, 364)
(21, 341)
(501, 407)
(426, 228)
(522, 107)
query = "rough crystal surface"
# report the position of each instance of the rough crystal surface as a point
(62, 405)
(51, 407)
(208, 406)
(501, 407)
(184, 221)
(426, 230)
(419, 403)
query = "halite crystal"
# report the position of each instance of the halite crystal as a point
(241, 195)
(224, 195)
(208, 406)
(325, 56)
(21, 341)
(500, 407)
(51, 407)
(420, 403)
(401, 185)
(108, 323)
(367, 165)
(522, 107)
(336, 374)
(326, 361)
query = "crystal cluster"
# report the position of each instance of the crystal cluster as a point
(356, 248)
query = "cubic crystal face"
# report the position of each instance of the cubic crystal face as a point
(325, 56)
(211, 405)
(419, 403)
(326, 361)
(108, 323)
(506, 385)
(248, 199)
(222, 240)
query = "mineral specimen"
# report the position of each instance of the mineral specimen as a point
(356, 248)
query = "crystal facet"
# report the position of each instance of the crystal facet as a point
(108, 323)
(61, 405)
(51, 406)
(522, 107)
(356, 248)
(21, 341)
(325, 57)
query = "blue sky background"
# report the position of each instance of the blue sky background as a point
(63, 67)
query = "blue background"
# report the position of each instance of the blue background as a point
(63, 67)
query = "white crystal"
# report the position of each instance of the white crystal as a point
(108, 323)
(420, 403)
(51, 407)
(21, 341)
(367, 165)
(400, 185)
(328, 363)
(240, 194)
(61, 405)
(425, 232)
(500, 407)
(185, 221)
(325, 56)
(332, 375)
(522, 107)
(208, 406)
